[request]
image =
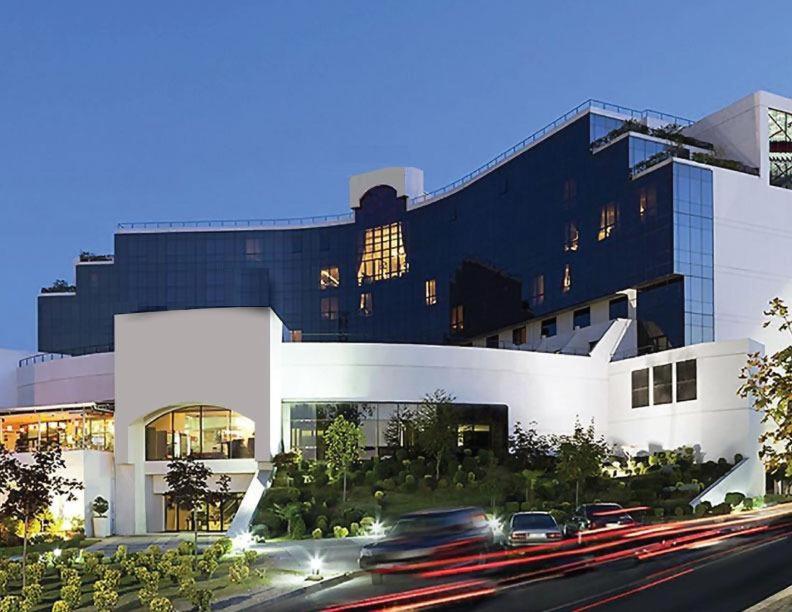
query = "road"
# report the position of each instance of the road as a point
(712, 574)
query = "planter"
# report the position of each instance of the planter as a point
(101, 526)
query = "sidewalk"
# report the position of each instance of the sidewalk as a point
(780, 602)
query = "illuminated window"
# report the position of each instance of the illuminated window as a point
(383, 254)
(366, 304)
(647, 203)
(329, 278)
(518, 336)
(537, 290)
(780, 135)
(571, 236)
(296, 335)
(329, 308)
(608, 218)
(430, 291)
(457, 319)
(254, 249)
(566, 281)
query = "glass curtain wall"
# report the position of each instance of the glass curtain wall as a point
(212, 515)
(71, 429)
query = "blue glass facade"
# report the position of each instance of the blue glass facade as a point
(494, 253)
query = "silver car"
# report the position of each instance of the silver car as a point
(527, 528)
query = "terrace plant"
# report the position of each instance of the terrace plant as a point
(343, 439)
(187, 486)
(435, 423)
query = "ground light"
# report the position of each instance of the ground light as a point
(495, 525)
(377, 529)
(316, 568)
(242, 541)
(56, 552)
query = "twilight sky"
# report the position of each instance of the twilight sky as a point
(128, 111)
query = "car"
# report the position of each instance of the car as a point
(429, 534)
(527, 528)
(598, 516)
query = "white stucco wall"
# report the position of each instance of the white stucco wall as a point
(9, 360)
(66, 381)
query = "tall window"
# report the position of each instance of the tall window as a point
(571, 236)
(570, 190)
(608, 219)
(661, 388)
(617, 308)
(581, 318)
(254, 249)
(457, 319)
(383, 255)
(206, 432)
(366, 305)
(780, 124)
(329, 308)
(686, 380)
(329, 278)
(519, 335)
(548, 328)
(647, 203)
(493, 341)
(640, 388)
(430, 292)
(566, 280)
(537, 290)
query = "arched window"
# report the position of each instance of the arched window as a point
(206, 432)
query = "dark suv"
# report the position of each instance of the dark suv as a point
(597, 516)
(430, 534)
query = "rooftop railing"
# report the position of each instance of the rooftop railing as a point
(588, 105)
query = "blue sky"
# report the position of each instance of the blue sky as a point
(121, 111)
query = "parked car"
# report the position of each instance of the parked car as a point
(598, 516)
(527, 528)
(429, 534)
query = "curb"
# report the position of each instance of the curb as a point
(778, 602)
(308, 589)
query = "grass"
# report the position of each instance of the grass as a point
(400, 502)
(41, 547)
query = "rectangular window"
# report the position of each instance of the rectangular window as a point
(382, 255)
(647, 203)
(254, 249)
(366, 306)
(493, 341)
(457, 319)
(661, 388)
(686, 380)
(608, 219)
(329, 308)
(640, 388)
(329, 278)
(566, 281)
(519, 335)
(571, 236)
(430, 292)
(537, 290)
(296, 335)
(581, 318)
(617, 308)
(549, 328)
(780, 135)
(570, 190)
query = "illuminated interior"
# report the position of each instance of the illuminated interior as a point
(383, 254)
(780, 148)
(70, 427)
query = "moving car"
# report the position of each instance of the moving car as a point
(429, 534)
(532, 528)
(598, 516)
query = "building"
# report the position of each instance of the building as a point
(613, 266)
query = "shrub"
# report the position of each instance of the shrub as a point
(379, 496)
(61, 606)
(202, 599)
(120, 554)
(185, 547)
(526, 506)
(658, 512)
(11, 603)
(100, 506)
(111, 577)
(316, 534)
(389, 484)
(459, 477)
(459, 486)
(748, 503)
(679, 511)
(409, 482)
(3, 582)
(734, 498)
(281, 496)
(207, 565)
(366, 523)
(32, 593)
(250, 557)
(723, 508)
(340, 532)
(428, 481)
(321, 522)
(354, 529)
(224, 544)
(161, 604)
(442, 483)
(238, 571)
(105, 598)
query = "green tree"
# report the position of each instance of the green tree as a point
(768, 380)
(530, 449)
(436, 424)
(530, 478)
(494, 483)
(580, 455)
(343, 439)
(30, 489)
(188, 487)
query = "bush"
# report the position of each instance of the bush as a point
(734, 498)
(61, 606)
(120, 554)
(202, 599)
(354, 529)
(224, 544)
(442, 483)
(512, 507)
(100, 506)
(748, 503)
(409, 482)
(298, 528)
(526, 506)
(471, 477)
(238, 571)
(658, 512)
(389, 484)
(207, 565)
(340, 532)
(105, 597)
(316, 534)
(281, 496)
(250, 557)
(161, 604)
(11, 603)
(321, 522)
(679, 511)
(185, 547)
(366, 523)
(459, 486)
(379, 496)
(720, 509)
(369, 477)
(32, 594)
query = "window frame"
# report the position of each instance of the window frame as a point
(430, 292)
(329, 278)
(642, 389)
(664, 386)
(683, 384)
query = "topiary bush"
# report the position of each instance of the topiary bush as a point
(340, 532)
(316, 534)
(61, 606)
(734, 498)
(202, 599)
(31, 594)
(354, 529)
(161, 604)
(238, 571)
(105, 597)
(185, 547)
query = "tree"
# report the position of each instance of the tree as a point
(343, 439)
(436, 426)
(530, 449)
(494, 483)
(30, 488)
(188, 488)
(768, 380)
(530, 478)
(580, 455)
